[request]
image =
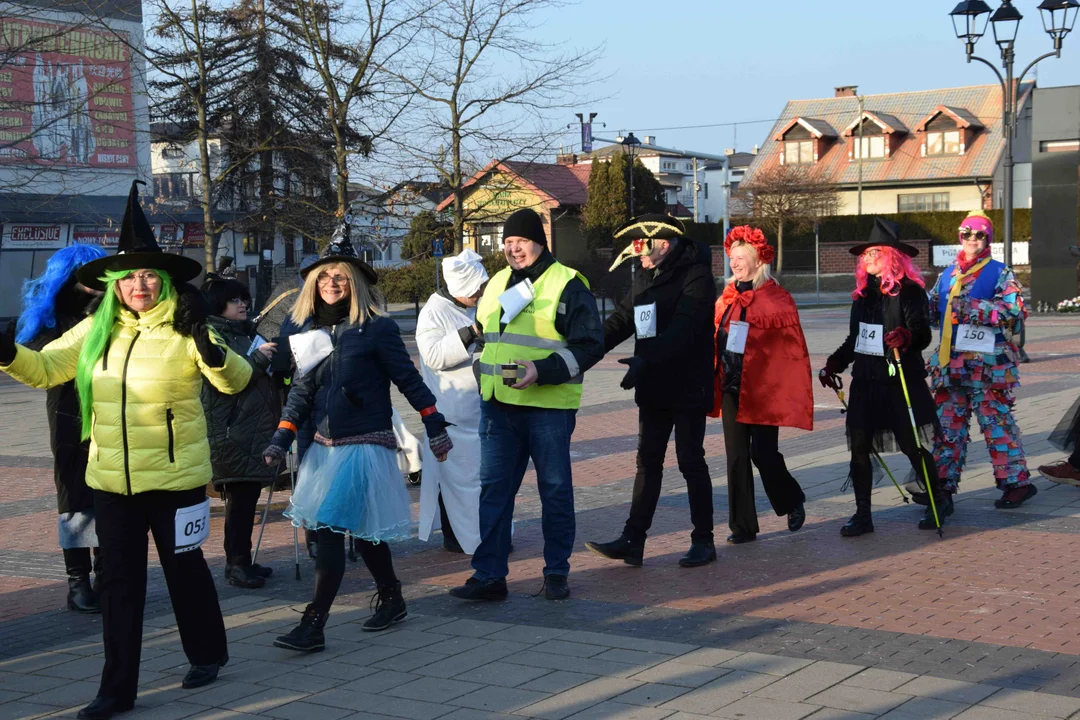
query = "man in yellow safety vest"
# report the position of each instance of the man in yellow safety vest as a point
(538, 331)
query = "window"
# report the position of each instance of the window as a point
(172, 151)
(922, 202)
(799, 152)
(706, 191)
(706, 218)
(943, 143)
(251, 245)
(873, 147)
(1059, 146)
(174, 186)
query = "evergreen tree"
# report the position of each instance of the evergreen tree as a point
(608, 205)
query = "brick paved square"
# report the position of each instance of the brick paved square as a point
(761, 708)
(499, 699)
(651, 694)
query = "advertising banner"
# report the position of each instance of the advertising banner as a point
(33, 236)
(65, 95)
(945, 255)
(103, 235)
(194, 236)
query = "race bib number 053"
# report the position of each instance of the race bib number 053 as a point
(869, 341)
(192, 526)
(975, 338)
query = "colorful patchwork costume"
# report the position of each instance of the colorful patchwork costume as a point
(979, 306)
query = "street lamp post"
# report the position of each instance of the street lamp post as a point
(969, 22)
(631, 143)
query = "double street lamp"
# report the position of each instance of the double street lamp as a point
(970, 20)
(631, 144)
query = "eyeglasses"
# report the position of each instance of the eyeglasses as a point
(338, 280)
(871, 253)
(144, 278)
(968, 233)
(238, 301)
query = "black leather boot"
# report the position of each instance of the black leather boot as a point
(700, 553)
(861, 522)
(308, 635)
(622, 548)
(389, 608)
(241, 573)
(103, 708)
(200, 675)
(944, 505)
(81, 597)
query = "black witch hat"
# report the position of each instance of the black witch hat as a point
(137, 249)
(341, 250)
(885, 234)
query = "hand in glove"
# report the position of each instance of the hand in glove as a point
(830, 376)
(279, 445)
(630, 379)
(438, 440)
(212, 355)
(899, 338)
(7, 345)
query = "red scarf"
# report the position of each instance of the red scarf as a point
(964, 264)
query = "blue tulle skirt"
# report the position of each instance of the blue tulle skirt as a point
(358, 488)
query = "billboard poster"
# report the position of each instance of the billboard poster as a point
(194, 235)
(945, 255)
(65, 95)
(168, 234)
(33, 236)
(103, 235)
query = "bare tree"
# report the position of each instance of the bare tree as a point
(489, 90)
(789, 196)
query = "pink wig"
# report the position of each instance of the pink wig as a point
(897, 267)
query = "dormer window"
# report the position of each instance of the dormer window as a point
(799, 152)
(947, 131)
(803, 141)
(881, 134)
(943, 142)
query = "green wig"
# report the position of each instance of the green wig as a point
(97, 340)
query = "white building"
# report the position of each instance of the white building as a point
(382, 217)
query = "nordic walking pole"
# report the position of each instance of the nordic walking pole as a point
(881, 461)
(918, 442)
(262, 524)
(292, 493)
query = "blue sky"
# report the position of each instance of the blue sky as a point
(696, 62)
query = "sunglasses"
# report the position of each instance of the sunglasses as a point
(968, 233)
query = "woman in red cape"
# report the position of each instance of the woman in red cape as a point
(763, 383)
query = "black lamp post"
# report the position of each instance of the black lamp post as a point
(969, 21)
(631, 143)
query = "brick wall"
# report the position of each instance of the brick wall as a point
(837, 258)
(718, 261)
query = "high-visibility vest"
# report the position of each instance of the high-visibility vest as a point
(531, 335)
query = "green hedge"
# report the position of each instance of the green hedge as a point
(416, 281)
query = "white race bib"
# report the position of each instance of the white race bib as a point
(736, 337)
(192, 526)
(975, 338)
(645, 321)
(870, 339)
(516, 299)
(309, 349)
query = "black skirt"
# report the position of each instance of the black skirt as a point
(879, 409)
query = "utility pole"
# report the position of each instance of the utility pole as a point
(695, 185)
(727, 212)
(860, 151)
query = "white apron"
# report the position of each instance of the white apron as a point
(446, 366)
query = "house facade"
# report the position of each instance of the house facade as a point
(908, 152)
(382, 218)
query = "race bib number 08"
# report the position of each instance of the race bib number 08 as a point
(975, 338)
(870, 339)
(192, 526)
(645, 321)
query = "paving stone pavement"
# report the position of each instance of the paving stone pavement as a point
(980, 625)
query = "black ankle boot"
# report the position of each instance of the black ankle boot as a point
(308, 635)
(944, 505)
(700, 553)
(241, 573)
(81, 597)
(622, 548)
(389, 608)
(103, 708)
(861, 522)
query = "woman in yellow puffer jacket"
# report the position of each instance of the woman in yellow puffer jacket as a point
(138, 364)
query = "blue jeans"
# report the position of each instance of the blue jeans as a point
(508, 438)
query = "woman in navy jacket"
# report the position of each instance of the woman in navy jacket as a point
(349, 478)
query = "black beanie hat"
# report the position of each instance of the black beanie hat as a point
(527, 224)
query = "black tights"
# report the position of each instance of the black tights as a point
(862, 470)
(330, 565)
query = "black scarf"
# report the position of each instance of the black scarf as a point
(327, 314)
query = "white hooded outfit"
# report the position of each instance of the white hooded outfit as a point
(446, 365)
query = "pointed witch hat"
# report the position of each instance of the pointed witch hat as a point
(885, 234)
(341, 250)
(138, 249)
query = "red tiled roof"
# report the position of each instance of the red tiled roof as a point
(559, 185)
(962, 117)
(905, 164)
(886, 122)
(817, 128)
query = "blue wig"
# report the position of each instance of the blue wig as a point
(39, 294)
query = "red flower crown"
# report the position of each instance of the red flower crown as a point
(750, 236)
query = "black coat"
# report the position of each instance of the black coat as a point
(239, 427)
(348, 393)
(678, 369)
(70, 452)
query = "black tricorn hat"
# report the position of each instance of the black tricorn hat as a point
(137, 249)
(652, 226)
(885, 234)
(341, 250)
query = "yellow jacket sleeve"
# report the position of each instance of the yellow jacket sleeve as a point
(230, 378)
(55, 364)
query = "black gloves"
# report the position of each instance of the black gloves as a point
(212, 355)
(629, 380)
(279, 446)
(7, 345)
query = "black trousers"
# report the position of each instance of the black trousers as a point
(757, 445)
(447, 528)
(654, 431)
(122, 525)
(330, 565)
(241, 499)
(862, 471)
